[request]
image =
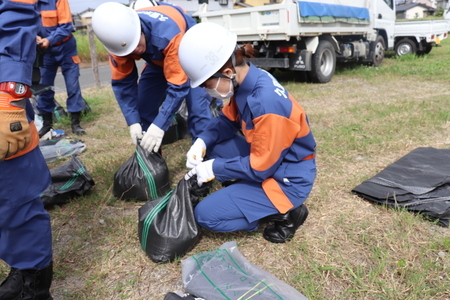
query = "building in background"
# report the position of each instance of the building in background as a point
(414, 11)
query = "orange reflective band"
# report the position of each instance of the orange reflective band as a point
(63, 41)
(5, 102)
(309, 157)
(276, 195)
(25, 1)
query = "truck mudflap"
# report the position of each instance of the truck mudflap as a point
(299, 61)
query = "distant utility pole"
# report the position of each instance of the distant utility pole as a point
(93, 51)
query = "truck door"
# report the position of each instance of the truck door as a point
(384, 20)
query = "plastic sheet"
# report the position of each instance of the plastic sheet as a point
(58, 148)
(226, 274)
(419, 182)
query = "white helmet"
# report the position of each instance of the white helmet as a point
(118, 27)
(138, 4)
(204, 49)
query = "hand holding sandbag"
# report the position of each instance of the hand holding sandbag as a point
(136, 132)
(204, 172)
(152, 138)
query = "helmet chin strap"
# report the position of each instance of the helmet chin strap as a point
(234, 82)
(233, 77)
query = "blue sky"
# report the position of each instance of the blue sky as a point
(77, 6)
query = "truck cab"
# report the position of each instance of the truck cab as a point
(383, 18)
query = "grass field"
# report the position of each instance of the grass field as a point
(363, 120)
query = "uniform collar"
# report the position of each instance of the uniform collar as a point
(247, 86)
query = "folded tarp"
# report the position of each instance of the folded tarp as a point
(419, 182)
(314, 9)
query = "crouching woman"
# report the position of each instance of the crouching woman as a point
(261, 140)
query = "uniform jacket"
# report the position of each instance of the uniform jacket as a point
(163, 27)
(56, 20)
(277, 129)
(17, 54)
(17, 43)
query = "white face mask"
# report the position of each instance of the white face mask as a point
(215, 94)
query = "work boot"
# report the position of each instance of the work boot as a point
(47, 124)
(11, 287)
(76, 127)
(37, 282)
(285, 225)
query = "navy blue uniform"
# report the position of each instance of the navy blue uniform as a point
(25, 232)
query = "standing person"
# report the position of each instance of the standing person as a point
(274, 159)
(25, 231)
(56, 38)
(153, 34)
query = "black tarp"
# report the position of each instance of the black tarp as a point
(419, 182)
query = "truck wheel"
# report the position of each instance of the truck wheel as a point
(404, 47)
(323, 63)
(378, 51)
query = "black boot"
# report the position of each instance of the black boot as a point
(47, 124)
(11, 287)
(37, 282)
(284, 226)
(76, 127)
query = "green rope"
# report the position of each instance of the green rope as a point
(151, 215)
(148, 176)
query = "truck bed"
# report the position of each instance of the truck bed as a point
(292, 19)
(425, 29)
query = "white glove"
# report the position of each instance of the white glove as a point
(152, 138)
(204, 172)
(135, 132)
(196, 153)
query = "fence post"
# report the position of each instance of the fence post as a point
(93, 51)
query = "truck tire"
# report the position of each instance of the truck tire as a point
(323, 63)
(378, 51)
(404, 47)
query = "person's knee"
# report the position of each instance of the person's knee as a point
(204, 219)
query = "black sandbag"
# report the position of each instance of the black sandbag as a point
(182, 117)
(182, 124)
(419, 182)
(144, 176)
(171, 135)
(167, 228)
(69, 180)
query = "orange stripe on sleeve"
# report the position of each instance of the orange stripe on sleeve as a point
(298, 115)
(272, 134)
(276, 195)
(63, 10)
(121, 66)
(172, 68)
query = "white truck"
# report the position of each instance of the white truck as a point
(419, 37)
(311, 35)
